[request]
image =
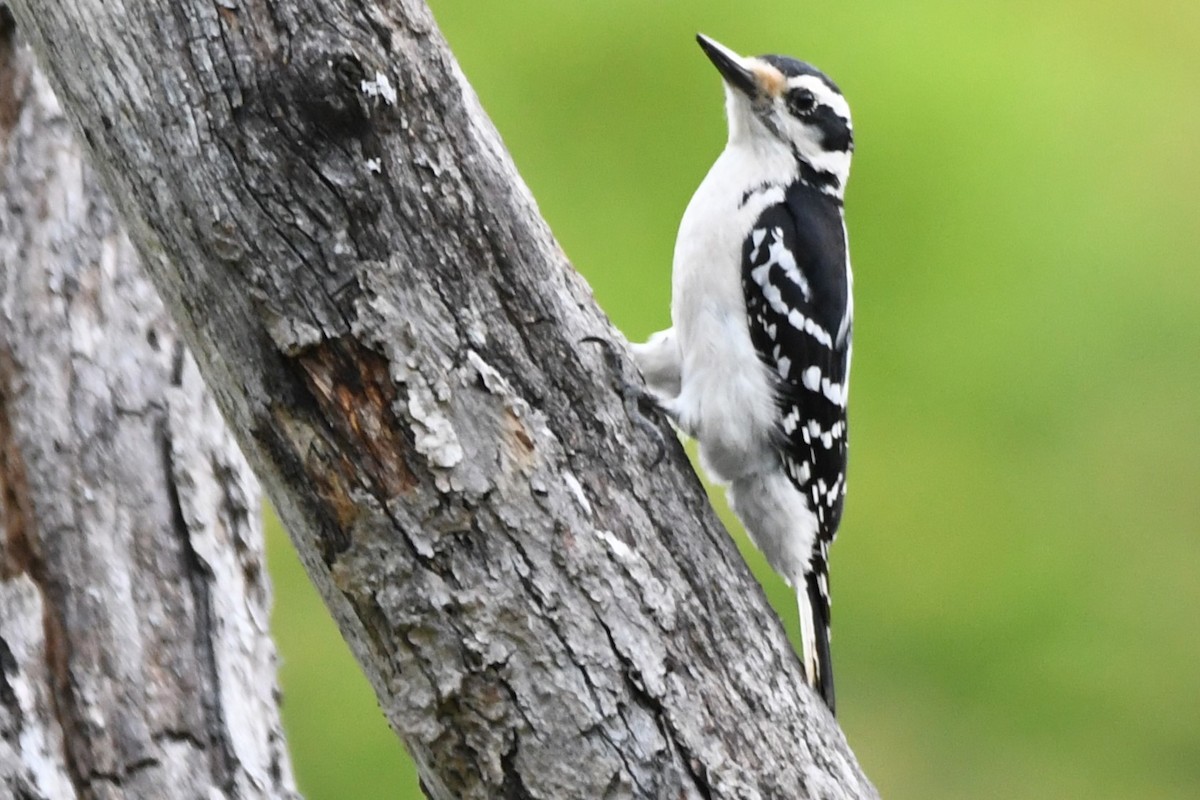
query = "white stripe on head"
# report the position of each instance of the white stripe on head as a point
(836, 162)
(823, 95)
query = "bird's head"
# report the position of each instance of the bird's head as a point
(773, 100)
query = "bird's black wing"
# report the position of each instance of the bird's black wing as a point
(795, 277)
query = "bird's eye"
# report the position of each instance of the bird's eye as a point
(800, 101)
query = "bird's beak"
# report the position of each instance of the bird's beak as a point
(751, 76)
(733, 68)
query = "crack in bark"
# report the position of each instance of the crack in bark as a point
(661, 713)
(22, 555)
(547, 615)
(9, 668)
(513, 787)
(10, 79)
(23, 791)
(220, 751)
(19, 553)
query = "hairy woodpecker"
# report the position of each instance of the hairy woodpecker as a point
(755, 365)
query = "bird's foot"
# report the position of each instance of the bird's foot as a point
(634, 396)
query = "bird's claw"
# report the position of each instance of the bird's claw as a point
(634, 396)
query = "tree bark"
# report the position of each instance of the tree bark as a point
(135, 657)
(394, 336)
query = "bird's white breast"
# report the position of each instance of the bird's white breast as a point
(731, 413)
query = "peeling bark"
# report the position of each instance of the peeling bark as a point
(393, 334)
(135, 656)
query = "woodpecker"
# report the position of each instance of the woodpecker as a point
(755, 365)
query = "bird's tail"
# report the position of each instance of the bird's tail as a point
(813, 598)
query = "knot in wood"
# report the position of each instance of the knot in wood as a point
(326, 89)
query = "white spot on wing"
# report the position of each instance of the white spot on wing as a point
(757, 237)
(781, 255)
(812, 378)
(817, 332)
(834, 392)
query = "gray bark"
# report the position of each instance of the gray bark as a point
(393, 334)
(135, 656)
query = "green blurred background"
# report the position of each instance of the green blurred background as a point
(1017, 582)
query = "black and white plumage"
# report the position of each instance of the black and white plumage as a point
(756, 363)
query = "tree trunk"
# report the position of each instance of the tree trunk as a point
(135, 657)
(394, 336)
